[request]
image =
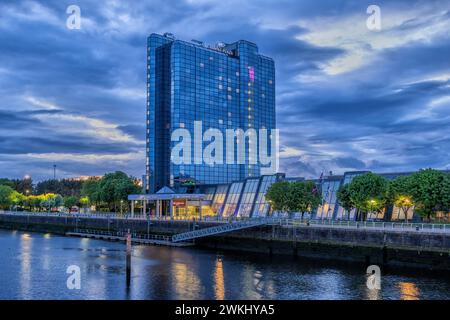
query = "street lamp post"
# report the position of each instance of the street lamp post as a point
(372, 204)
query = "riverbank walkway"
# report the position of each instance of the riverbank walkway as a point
(440, 228)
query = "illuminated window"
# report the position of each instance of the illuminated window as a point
(232, 199)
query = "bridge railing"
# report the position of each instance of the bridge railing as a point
(123, 234)
(233, 226)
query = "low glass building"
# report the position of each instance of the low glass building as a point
(246, 199)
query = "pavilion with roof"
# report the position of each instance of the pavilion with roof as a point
(167, 201)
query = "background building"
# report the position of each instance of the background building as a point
(228, 86)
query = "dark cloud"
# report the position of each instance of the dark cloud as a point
(138, 131)
(10, 120)
(62, 144)
(62, 91)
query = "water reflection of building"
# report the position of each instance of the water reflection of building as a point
(408, 291)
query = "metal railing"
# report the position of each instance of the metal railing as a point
(213, 219)
(123, 234)
(381, 225)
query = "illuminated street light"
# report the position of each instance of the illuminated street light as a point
(372, 203)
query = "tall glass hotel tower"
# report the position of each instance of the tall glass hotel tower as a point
(228, 86)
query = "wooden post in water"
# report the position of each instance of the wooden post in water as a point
(128, 258)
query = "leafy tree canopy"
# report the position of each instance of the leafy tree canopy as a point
(278, 196)
(6, 197)
(303, 196)
(429, 190)
(343, 196)
(368, 192)
(70, 202)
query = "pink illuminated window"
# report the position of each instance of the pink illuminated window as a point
(251, 73)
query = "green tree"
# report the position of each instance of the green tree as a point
(6, 197)
(84, 202)
(91, 190)
(57, 200)
(64, 187)
(48, 201)
(429, 191)
(303, 196)
(24, 186)
(399, 194)
(70, 201)
(18, 199)
(114, 189)
(7, 182)
(446, 193)
(278, 196)
(35, 202)
(368, 192)
(343, 196)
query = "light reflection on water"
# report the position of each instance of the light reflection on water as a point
(219, 282)
(33, 266)
(408, 291)
(25, 262)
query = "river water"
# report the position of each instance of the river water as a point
(34, 266)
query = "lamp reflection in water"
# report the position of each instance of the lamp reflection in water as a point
(408, 291)
(219, 283)
(25, 264)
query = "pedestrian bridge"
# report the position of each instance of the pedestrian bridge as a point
(122, 236)
(181, 239)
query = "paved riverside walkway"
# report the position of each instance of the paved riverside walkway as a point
(435, 228)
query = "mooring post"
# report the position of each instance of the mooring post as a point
(128, 258)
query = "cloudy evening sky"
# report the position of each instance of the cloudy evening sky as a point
(348, 98)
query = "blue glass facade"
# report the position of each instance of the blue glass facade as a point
(228, 87)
